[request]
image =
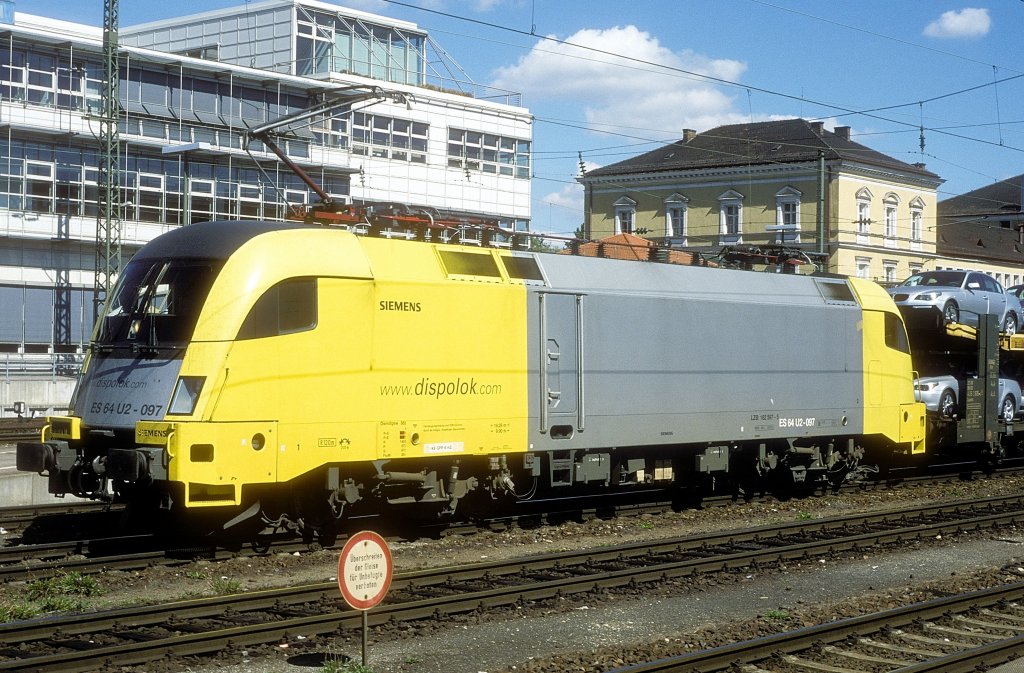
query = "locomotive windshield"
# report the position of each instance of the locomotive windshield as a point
(156, 302)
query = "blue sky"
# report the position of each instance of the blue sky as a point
(884, 68)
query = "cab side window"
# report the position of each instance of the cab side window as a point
(286, 308)
(896, 334)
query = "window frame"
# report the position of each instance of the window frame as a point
(891, 203)
(863, 221)
(730, 217)
(261, 308)
(625, 215)
(677, 219)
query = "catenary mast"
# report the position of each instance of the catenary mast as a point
(108, 215)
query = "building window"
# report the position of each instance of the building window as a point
(389, 138)
(625, 215)
(891, 202)
(675, 219)
(334, 43)
(864, 197)
(730, 218)
(787, 216)
(488, 153)
(916, 223)
(889, 271)
(890, 224)
(863, 267)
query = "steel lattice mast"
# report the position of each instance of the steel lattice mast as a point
(108, 216)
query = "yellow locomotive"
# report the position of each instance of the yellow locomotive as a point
(285, 372)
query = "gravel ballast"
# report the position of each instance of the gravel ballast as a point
(595, 632)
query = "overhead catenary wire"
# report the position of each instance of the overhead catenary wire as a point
(711, 78)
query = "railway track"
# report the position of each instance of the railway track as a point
(135, 635)
(956, 634)
(18, 518)
(23, 559)
(20, 429)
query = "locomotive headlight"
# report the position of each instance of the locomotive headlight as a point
(186, 395)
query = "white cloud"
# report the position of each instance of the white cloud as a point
(615, 91)
(569, 197)
(966, 23)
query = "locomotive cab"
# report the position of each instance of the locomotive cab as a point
(130, 374)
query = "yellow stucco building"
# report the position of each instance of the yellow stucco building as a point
(788, 182)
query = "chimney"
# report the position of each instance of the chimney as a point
(688, 135)
(843, 132)
(919, 165)
(817, 127)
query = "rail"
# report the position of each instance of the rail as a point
(14, 429)
(140, 634)
(962, 633)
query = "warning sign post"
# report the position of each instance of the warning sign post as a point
(364, 574)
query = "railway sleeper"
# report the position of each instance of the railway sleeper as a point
(864, 657)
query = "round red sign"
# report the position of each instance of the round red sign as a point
(364, 570)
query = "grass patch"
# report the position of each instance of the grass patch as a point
(776, 615)
(11, 611)
(225, 585)
(64, 592)
(340, 663)
(73, 584)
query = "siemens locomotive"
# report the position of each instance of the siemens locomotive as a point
(286, 372)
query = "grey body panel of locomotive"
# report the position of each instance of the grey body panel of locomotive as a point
(676, 355)
(114, 392)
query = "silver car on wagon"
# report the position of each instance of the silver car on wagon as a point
(945, 395)
(960, 296)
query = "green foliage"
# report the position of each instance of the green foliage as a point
(62, 604)
(61, 593)
(225, 585)
(538, 244)
(13, 612)
(776, 615)
(804, 516)
(647, 525)
(62, 585)
(339, 663)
